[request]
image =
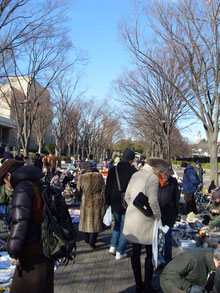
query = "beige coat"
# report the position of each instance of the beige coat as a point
(92, 210)
(137, 227)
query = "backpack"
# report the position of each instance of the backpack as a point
(45, 161)
(58, 235)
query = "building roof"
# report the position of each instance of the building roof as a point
(5, 122)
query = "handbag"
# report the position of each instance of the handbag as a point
(122, 194)
(142, 204)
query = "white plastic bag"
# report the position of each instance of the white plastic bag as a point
(157, 225)
(108, 217)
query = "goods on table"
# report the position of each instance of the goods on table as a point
(188, 236)
(187, 243)
(6, 270)
(74, 214)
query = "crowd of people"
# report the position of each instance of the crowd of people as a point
(126, 182)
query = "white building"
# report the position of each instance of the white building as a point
(197, 137)
(19, 86)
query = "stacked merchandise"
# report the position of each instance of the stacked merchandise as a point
(6, 272)
(74, 214)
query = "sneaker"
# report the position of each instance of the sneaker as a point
(120, 256)
(112, 250)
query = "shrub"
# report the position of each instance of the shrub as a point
(50, 147)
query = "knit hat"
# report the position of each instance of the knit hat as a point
(184, 164)
(128, 155)
(19, 157)
(197, 162)
(158, 163)
(86, 165)
(9, 166)
(206, 219)
(216, 194)
(8, 155)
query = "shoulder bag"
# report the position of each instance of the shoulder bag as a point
(122, 194)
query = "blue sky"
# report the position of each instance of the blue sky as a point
(94, 29)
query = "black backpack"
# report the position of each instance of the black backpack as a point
(58, 235)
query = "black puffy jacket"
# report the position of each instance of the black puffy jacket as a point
(24, 229)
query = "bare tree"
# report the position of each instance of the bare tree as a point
(21, 20)
(73, 120)
(179, 145)
(189, 30)
(45, 59)
(109, 133)
(65, 94)
(152, 101)
(90, 122)
(42, 124)
(97, 130)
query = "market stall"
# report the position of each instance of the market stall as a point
(187, 235)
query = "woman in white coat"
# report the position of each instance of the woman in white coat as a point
(138, 228)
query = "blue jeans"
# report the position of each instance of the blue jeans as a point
(168, 246)
(117, 239)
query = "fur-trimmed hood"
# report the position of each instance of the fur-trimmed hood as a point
(158, 163)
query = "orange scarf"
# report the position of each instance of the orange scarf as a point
(161, 180)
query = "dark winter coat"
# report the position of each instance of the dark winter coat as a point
(190, 180)
(25, 231)
(112, 194)
(187, 269)
(215, 223)
(168, 197)
(217, 280)
(199, 172)
(38, 162)
(92, 209)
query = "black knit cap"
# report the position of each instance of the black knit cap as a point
(184, 164)
(128, 155)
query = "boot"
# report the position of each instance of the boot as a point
(136, 266)
(148, 274)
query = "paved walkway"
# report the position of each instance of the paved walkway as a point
(97, 270)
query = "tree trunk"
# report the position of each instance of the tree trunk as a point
(58, 151)
(213, 149)
(168, 155)
(39, 145)
(83, 151)
(74, 147)
(25, 145)
(77, 150)
(18, 142)
(69, 147)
